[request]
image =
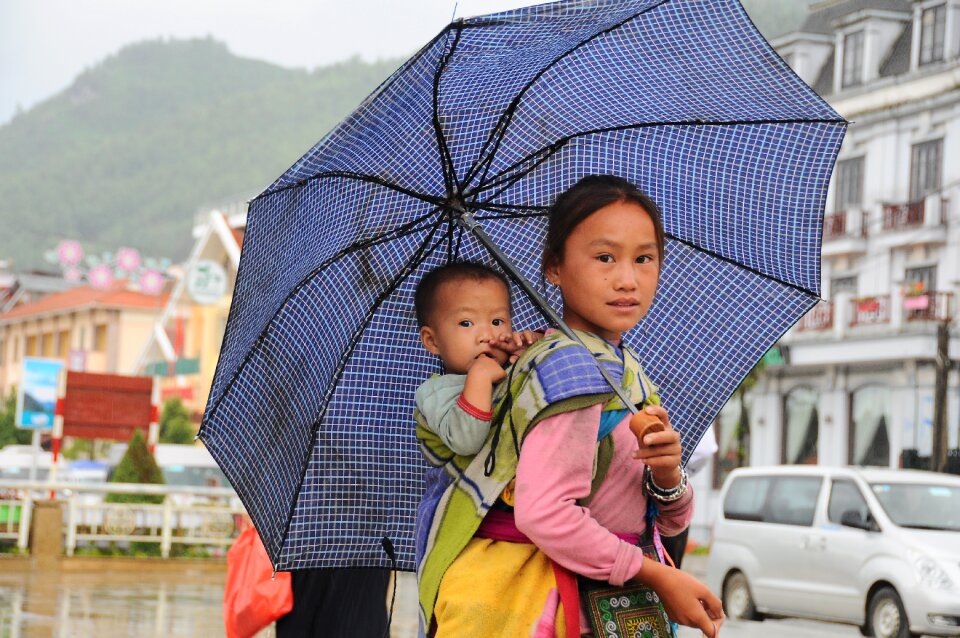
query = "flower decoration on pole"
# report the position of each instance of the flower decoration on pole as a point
(151, 282)
(100, 276)
(69, 252)
(148, 275)
(128, 259)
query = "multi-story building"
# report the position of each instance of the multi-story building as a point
(184, 344)
(857, 385)
(89, 329)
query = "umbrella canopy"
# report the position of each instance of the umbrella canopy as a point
(310, 413)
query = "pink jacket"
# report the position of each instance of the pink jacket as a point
(556, 469)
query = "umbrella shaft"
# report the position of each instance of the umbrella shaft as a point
(466, 220)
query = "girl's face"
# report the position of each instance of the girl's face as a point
(609, 271)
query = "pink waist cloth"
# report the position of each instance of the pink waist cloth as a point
(500, 525)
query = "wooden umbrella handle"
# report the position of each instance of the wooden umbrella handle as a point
(642, 424)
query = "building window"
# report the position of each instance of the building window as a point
(46, 345)
(801, 426)
(870, 416)
(733, 439)
(843, 284)
(926, 162)
(852, 59)
(100, 338)
(921, 280)
(32, 346)
(849, 194)
(63, 344)
(932, 30)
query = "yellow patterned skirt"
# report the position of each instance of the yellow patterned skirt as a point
(499, 588)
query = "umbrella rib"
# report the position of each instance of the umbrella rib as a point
(411, 264)
(504, 206)
(498, 132)
(362, 177)
(505, 174)
(446, 160)
(407, 229)
(736, 263)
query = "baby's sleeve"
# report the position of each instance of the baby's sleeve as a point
(461, 427)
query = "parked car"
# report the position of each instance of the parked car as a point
(875, 548)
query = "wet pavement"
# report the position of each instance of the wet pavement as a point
(149, 598)
(51, 602)
(105, 599)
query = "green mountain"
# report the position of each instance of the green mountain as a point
(162, 128)
(154, 132)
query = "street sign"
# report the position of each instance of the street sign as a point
(776, 356)
(107, 406)
(207, 282)
(37, 395)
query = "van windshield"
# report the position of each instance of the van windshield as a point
(920, 506)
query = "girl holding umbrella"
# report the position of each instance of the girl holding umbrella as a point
(553, 509)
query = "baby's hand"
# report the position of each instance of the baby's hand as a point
(515, 343)
(486, 367)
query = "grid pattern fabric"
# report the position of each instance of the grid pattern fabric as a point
(310, 413)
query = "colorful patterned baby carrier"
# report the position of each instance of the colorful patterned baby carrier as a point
(555, 375)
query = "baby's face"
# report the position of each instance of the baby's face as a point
(468, 316)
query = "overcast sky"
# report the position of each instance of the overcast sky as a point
(45, 44)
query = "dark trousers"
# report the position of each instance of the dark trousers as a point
(337, 603)
(675, 546)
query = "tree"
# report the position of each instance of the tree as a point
(743, 425)
(137, 466)
(9, 432)
(175, 423)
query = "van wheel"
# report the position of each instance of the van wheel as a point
(886, 617)
(737, 599)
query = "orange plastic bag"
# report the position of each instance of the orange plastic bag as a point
(253, 598)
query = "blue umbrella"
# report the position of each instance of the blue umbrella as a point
(462, 149)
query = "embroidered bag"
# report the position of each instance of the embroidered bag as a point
(632, 610)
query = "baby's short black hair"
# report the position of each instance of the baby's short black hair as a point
(425, 297)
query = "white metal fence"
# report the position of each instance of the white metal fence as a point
(204, 516)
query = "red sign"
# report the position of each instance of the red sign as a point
(183, 393)
(106, 406)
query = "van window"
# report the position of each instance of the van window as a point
(920, 506)
(745, 498)
(793, 500)
(845, 496)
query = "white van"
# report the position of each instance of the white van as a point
(183, 465)
(872, 547)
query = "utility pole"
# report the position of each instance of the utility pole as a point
(938, 461)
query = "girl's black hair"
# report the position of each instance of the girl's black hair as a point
(586, 197)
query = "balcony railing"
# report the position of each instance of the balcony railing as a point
(930, 306)
(835, 225)
(870, 310)
(820, 317)
(903, 215)
(839, 225)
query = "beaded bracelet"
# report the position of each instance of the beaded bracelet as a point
(661, 494)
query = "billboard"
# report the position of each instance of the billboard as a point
(37, 396)
(107, 406)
